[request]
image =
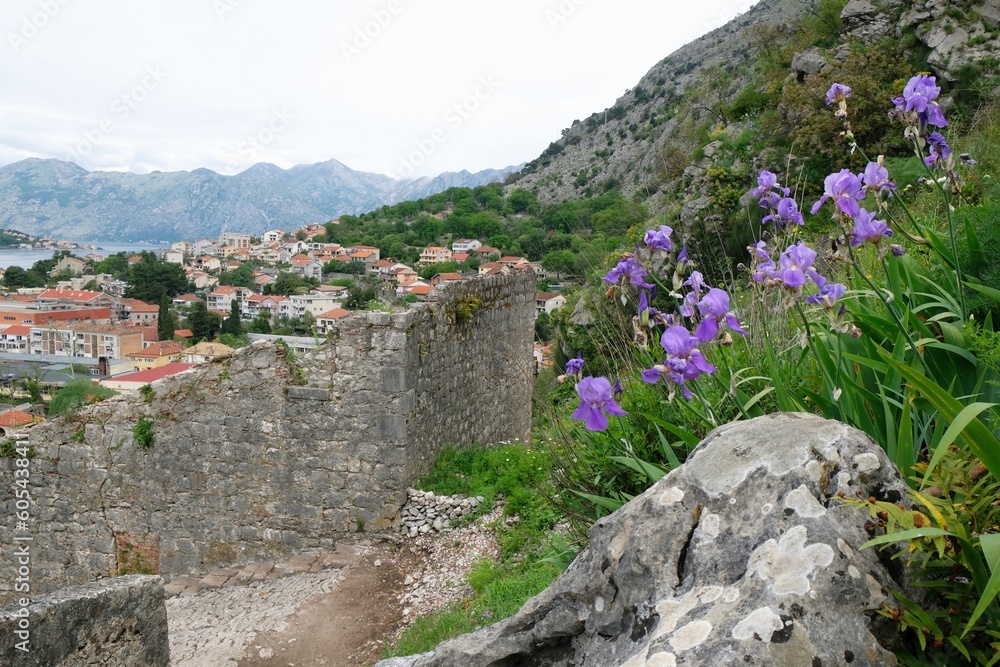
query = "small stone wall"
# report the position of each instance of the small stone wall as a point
(261, 456)
(425, 511)
(119, 622)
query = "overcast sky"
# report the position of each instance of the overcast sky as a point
(402, 87)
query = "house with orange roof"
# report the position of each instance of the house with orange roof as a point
(325, 321)
(222, 297)
(84, 339)
(13, 421)
(465, 245)
(15, 338)
(485, 251)
(492, 269)
(158, 354)
(260, 303)
(185, 300)
(207, 263)
(204, 352)
(434, 255)
(132, 381)
(201, 279)
(58, 299)
(139, 312)
(459, 256)
(307, 267)
(401, 275)
(442, 278)
(547, 302)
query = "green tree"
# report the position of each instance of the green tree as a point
(289, 283)
(115, 265)
(358, 297)
(233, 324)
(151, 278)
(260, 324)
(241, 277)
(77, 394)
(166, 323)
(560, 262)
(203, 324)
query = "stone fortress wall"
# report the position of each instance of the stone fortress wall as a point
(262, 455)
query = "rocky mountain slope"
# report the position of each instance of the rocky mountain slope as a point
(643, 144)
(51, 197)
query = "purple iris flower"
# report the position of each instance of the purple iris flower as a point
(596, 403)
(573, 366)
(838, 93)
(682, 257)
(795, 264)
(767, 189)
(940, 150)
(760, 251)
(876, 177)
(696, 282)
(714, 309)
(845, 189)
(786, 212)
(828, 295)
(868, 230)
(631, 271)
(659, 239)
(767, 181)
(684, 360)
(689, 304)
(919, 95)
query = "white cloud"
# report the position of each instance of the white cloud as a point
(366, 81)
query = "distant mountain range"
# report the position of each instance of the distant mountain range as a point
(60, 199)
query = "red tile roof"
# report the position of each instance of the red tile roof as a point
(70, 295)
(163, 348)
(16, 418)
(154, 374)
(335, 314)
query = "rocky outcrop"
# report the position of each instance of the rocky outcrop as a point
(120, 622)
(746, 555)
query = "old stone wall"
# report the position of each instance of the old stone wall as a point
(261, 455)
(120, 622)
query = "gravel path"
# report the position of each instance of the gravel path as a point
(329, 617)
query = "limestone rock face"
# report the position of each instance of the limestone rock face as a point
(743, 556)
(864, 20)
(809, 62)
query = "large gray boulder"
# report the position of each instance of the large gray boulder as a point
(743, 556)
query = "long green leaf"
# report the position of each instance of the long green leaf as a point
(964, 418)
(653, 473)
(991, 550)
(601, 501)
(906, 536)
(985, 600)
(979, 439)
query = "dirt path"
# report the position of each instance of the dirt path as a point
(340, 610)
(348, 626)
